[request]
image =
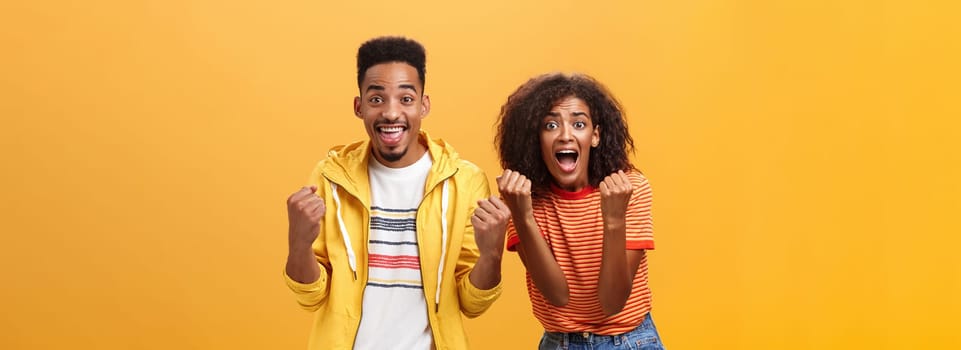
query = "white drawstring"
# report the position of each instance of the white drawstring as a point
(351, 257)
(443, 242)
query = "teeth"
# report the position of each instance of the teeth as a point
(567, 151)
(392, 129)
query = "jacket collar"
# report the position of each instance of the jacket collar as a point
(347, 165)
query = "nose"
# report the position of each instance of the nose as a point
(567, 133)
(393, 111)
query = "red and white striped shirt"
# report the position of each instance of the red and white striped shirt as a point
(573, 226)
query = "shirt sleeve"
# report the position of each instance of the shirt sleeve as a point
(639, 221)
(512, 239)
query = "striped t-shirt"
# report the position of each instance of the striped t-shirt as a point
(572, 224)
(394, 314)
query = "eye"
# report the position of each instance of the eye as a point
(550, 125)
(376, 100)
(580, 125)
(407, 99)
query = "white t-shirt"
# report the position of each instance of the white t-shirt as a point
(395, 310)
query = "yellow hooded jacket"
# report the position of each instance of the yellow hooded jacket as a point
(444, 233)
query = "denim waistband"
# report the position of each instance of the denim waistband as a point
(587, 337)
(643, 336)
(594, 338)
(590, 338)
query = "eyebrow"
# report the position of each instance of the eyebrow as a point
(576, 114)
(402, 86)
(408, 86)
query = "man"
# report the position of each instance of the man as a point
(395, 236)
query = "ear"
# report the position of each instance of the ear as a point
(425, 106)
(357, 107)
(596, 136)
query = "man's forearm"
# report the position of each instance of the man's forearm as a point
(487, 272)
(301, 264)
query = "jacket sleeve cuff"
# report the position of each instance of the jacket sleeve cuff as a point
(309, 295)
(474, 301)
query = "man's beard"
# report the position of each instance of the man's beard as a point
(393, 157)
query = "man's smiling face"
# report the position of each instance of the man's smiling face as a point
(392, 104)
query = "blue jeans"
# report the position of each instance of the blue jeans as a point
(644, 337)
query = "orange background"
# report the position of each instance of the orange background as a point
(804, 157)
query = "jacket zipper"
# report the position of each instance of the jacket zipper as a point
(420, 253)
(363, 290)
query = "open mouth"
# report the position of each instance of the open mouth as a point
(567, 159)
(391, 134)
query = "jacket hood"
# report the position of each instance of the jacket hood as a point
(347, 164)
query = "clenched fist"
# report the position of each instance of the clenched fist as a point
(490, 225)
(516, 190)
(305, 211)
(616, 192)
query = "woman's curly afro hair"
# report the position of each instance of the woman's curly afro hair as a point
(521, 118)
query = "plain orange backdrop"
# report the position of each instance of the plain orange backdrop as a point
(804, 157)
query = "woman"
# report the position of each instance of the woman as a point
(581, 213)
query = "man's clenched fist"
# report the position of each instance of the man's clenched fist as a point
(305, 211)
